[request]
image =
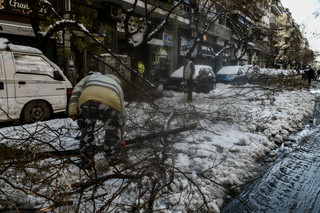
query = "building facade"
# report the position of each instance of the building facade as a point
(162, 54)
(15, 26)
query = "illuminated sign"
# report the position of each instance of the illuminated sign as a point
(168, 39)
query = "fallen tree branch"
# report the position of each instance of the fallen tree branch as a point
(161, 133)
(76, 152)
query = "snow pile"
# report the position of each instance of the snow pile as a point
(235, 127)
(269, 71)
(229, 70)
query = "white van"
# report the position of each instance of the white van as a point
(32, 88)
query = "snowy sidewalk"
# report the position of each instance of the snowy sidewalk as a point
(236, 126)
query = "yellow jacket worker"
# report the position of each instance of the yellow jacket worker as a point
(141, 67)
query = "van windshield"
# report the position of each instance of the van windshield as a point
(33, 64)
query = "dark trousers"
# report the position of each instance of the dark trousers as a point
(89, 113)
(190, 85)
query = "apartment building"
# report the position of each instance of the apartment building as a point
(163, 54)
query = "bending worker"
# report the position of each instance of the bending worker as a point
(98, 97)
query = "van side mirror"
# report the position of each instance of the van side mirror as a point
(57, 75)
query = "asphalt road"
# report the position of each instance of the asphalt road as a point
(289, 185)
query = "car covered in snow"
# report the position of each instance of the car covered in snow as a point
(252, 72)
(234, 75)
(204, 79)
(32, 88)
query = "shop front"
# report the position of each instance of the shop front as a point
(185, 44)
(205, 56)
(162, 57)
(22, 34)
(15, 26)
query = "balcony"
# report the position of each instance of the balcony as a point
(140, 9)
(273, 21)
(276, 10)
(220, 31)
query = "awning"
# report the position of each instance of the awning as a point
(9, 27)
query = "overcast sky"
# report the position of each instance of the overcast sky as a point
(302, 12)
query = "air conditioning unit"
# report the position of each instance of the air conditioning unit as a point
(116, 12)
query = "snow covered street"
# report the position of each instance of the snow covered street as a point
(196, 170)
(291, 184)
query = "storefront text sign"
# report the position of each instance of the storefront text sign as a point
(19, 6)
(168, 39)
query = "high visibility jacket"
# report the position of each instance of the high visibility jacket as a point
(141, 68)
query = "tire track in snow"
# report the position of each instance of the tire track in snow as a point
(292, 184)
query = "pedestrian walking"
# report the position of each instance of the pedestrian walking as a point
(98, 97)
(188, 76)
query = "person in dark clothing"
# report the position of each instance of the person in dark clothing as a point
(188, 75)
(318, 74)
(310, 76)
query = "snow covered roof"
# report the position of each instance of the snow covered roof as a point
(229, 70)
(179, 72)
(5, 44)
(247, 67)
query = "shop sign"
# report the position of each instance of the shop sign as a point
(168, 39)
(16, 28)
(18, 7)
(205, 48)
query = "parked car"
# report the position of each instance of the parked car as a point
(205, 79)
(32, 87)
(234, 75)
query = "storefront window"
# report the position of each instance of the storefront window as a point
(185, 45)
(160, 61)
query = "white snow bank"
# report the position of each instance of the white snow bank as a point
(230, 70)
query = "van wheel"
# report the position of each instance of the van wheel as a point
(35, 111)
